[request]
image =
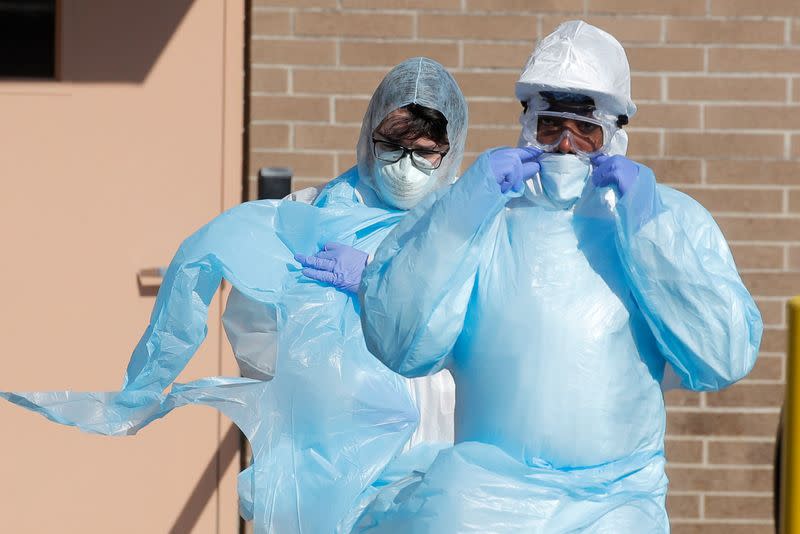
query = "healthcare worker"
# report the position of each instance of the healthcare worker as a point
(560, 284)
(323, 416)
(404, 152)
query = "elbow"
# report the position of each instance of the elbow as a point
(733, 361)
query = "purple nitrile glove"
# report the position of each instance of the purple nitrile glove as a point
(512, 166)
(614, 170)
(638, 198)
(336, 264)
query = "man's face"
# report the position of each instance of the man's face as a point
(388, 146)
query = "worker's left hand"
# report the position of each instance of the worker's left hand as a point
(618, 171)
(336, 264)
(637, 191)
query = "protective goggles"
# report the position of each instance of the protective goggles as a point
(587, 135)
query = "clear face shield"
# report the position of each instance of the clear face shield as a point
(586, 133)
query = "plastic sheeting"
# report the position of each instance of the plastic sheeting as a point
(332, 417)
(557, 326)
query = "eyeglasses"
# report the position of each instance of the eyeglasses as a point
(422, 158)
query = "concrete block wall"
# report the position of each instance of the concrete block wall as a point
(718, 88)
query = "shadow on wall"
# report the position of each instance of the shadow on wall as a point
(115, 40)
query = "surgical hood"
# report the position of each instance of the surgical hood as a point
(581, 58)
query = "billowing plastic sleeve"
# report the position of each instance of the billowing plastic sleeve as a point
(684, 279)
(414, 294)
(252, 326)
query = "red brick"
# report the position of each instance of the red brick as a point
(794, 200)
(269, 136)
(438, 5)
(747, 395)
(759, 228)
(674, 171)
(741, 452)
(767, 368)
(681, 423)
(794, 258)
(373, 53)
(795, 29)
(753, 172)
(682, 397)
(271, 23)
(667, 116)
(332, 23)
(757, 256)
(719, 479)
(643, 31)
(737, 200)
(683, 506)
(764, 8)
(326, 136)
(719, 145)
(637, 7)
(643, 144)
(295, 3)
(708, 527)
(496, 55)
(303, 165)
(474, 84)
(488, 27)
(293, 52)
(350, 110)
(724, 31)
(495, 112)
(753, 117)
(774, 339)
(684, 451)
(753, 60)
(337, 81)
(548, 6)
(721, 88)
(771, 311)
(345, 160)
(289, 108)
(263, 80)
(480, 139)
(772, 284)
(664, 58)
(735, 507)
(645, 88)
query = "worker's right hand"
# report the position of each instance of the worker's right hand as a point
(512, 166)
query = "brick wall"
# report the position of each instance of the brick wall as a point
(718, 88)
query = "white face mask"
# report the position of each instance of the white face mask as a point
(563, 177)
(401, 184)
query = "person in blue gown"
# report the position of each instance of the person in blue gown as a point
(562, 287)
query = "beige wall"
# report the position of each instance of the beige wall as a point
(718, 85)
(104, 173)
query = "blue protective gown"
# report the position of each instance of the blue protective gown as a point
(325, 427)
(557, 326)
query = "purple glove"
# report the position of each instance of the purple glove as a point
(336, 264)
(614, 170)
(637, 191)
(512, 166)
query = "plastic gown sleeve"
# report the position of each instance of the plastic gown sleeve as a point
(413, 297)
(252, 326)
(684, 279)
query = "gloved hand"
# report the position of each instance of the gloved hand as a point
(637, 192)
(336, 264)
(512, 166)
(614, 170)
